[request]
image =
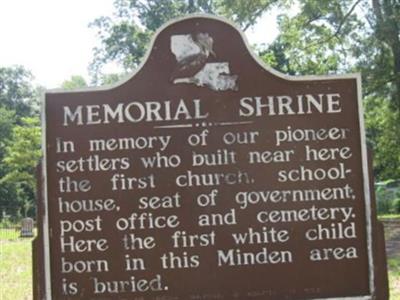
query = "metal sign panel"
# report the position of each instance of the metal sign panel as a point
(207, 175)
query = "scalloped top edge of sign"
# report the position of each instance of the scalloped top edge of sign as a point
(256, 58)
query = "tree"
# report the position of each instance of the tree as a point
(345, 36)
(340, 36)
(383, 130)
(21, 157)
(124, 36)
(386, 25)
(323, 37)
(7, 120)
(7, 193)
(75, 82)
(18, 100)
(318, 37)
(16, 90)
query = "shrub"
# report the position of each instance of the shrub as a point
(396, 206)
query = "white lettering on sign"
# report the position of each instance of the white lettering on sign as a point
(134, 112)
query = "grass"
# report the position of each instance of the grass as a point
(16, 271)
(394, 277)
(389, 217)
(9, 234)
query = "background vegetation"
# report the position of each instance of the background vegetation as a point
(315, 37)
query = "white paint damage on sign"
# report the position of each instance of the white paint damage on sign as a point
(192, 53)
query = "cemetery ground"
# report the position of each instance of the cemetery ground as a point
(16, 263)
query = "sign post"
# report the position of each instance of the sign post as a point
(208, 175)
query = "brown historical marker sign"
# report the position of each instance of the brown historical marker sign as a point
(207, 176)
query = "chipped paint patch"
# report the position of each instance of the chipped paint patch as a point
(215, 76)
(191, 53)
(183, 46)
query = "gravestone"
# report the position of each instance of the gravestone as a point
(208, 175)
(27, 225)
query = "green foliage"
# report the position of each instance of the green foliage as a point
(110, 79)
(23, 151)
(7, 223)
(396, 206)
(346, 36)
(318, 37)
(384, 217)
(7, 120)
(384, 201)
(246, 13)
(18, 100)
(388, 197)
(16, 90)
(383, 128)
(21, 157)
(343, 36)
(385, 21)
(75, 82)
(124, 36)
